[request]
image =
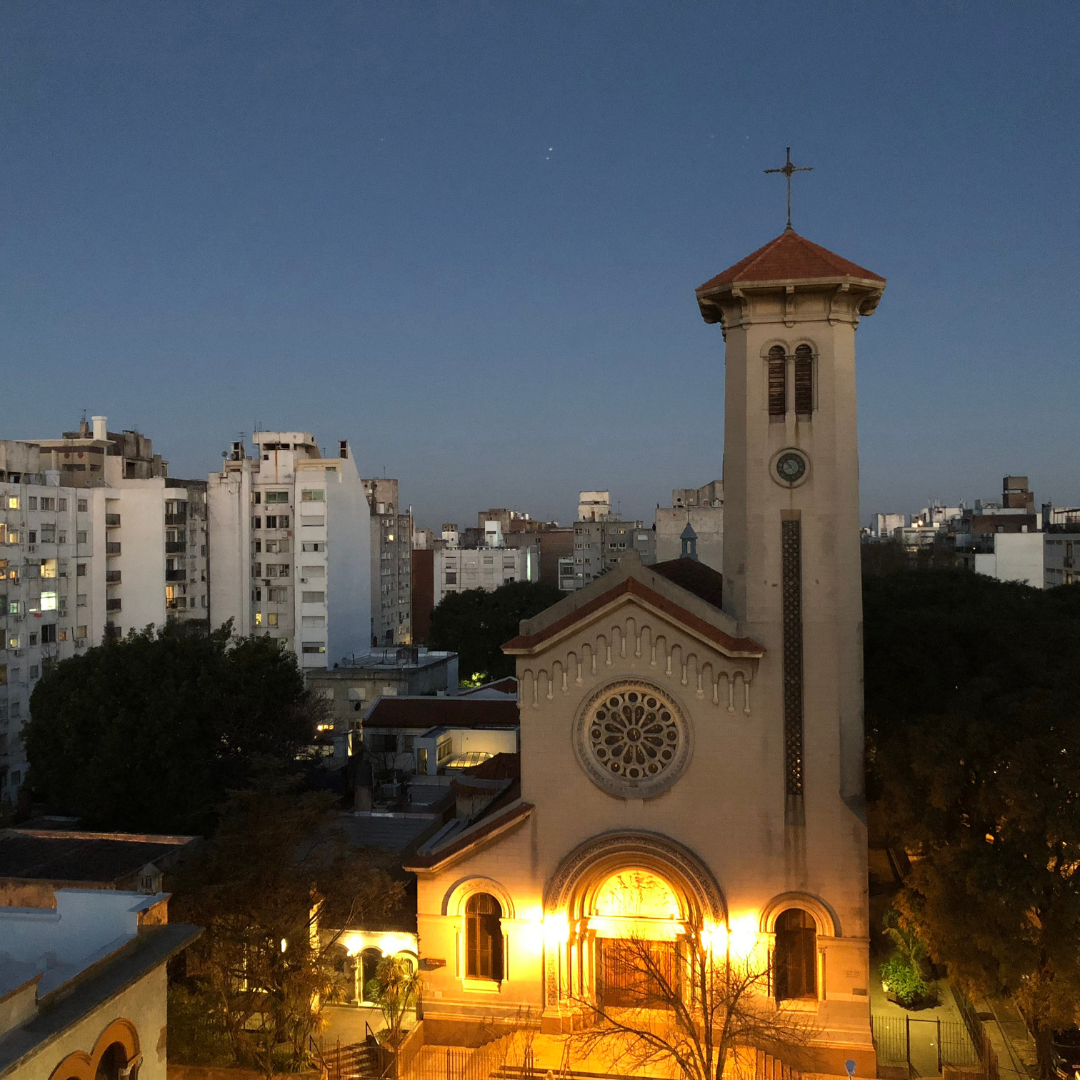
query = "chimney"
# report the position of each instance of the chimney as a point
(100, 427)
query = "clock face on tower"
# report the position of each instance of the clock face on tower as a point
(791, 467)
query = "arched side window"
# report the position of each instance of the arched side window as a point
(795, 955)
(777, 382)
(483, 938)
(369, 965)
(804, 381)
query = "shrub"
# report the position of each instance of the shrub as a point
(904, 979)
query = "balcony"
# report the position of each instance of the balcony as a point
(114, 605)
(112, 547)
(176, 519)
(175, 547)
(176, 575)
(112, 521)
(112, 577)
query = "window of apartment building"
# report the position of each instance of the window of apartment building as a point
(13, 641)
(314, 571)
(258, 618)
(32, 536)
(61, 504)
(12, 536)
(313, 522)
(48, 534)
(82, 505)
(256, 497)
(312, 597)
(277, 596)
(256, 569)
(277, 496)
(62, 538)
(80, 569)
(80, 537)
(256, 522)
(48, 568)
(31, 503)
(80, 631)
(313, 620)
(451, 578)
(314, 646)
(13, 502)
(48, 634)
(48, 504)
(48, 601)
(258, 547)
(80, 600)
(313, 495)
(313, 545)
(33, 640)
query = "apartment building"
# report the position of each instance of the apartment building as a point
(291, 534)
(95, 538)
(600, 544)
(391, 564)
(460, 569)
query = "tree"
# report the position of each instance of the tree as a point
(266, 886)
(692, 1007)
(150, 733)
(973, 723)
(394, 989)
(476, 624)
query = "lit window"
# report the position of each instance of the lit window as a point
(314, 646)
(13, 502)
(258, 618)
(271, 618)
(48, 601)
(313, 495)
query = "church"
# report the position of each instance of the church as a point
(692, 736)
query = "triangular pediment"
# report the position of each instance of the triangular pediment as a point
(634, 584)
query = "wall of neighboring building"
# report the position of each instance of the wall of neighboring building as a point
(1016, 557)
(706, 521)
(142, 1005)
(423, 592)
(348, 552)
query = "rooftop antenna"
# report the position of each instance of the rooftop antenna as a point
(788, 171)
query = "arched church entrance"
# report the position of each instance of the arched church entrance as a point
(615, 915)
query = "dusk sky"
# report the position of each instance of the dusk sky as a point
(466, 236)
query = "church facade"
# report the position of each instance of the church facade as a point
(695, 740)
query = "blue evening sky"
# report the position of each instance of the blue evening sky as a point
(466, 236)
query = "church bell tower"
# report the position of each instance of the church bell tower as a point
(791, 564)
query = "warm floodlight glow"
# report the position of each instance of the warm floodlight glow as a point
(714, 937)
(353, 943)
(742, 935)
(556, 931)
(284, 944)
(388, 944)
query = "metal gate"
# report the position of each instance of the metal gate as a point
(923, 1046)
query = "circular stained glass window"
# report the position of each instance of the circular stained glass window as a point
(632, 740)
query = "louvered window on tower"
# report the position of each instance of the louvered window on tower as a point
(777, 381)
(804, 381)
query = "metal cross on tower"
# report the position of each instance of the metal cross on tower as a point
(789, 170)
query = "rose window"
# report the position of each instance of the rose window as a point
(632, 740)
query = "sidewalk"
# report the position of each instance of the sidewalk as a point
(1010, 1038)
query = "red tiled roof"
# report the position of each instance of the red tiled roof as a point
(630, 585)
(427, 712)
(694, 576)
(790, 256)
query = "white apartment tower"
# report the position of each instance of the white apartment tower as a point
(291, 534)
(95, 538)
